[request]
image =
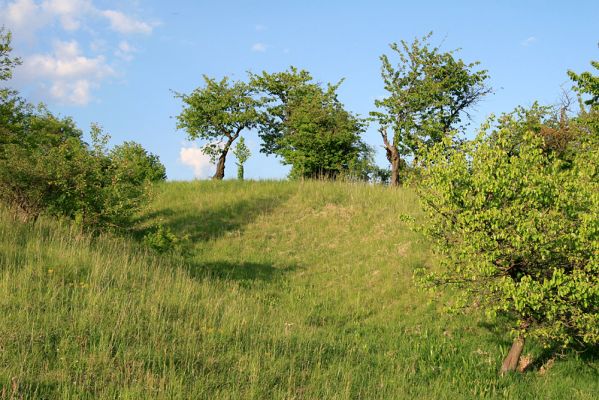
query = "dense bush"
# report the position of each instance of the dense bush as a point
(137, 164)
(517, 223)
(46, 167)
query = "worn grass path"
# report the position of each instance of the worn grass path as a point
(288, 290)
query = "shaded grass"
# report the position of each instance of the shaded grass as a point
(291, 291)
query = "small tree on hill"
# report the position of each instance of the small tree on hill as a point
(429, 93)
(218, 112)
(242, 153)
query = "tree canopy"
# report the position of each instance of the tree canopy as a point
(429, 94)
(218, 112)
(307, 126)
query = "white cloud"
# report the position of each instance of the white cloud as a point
(25, 17)
(529, 41)
(196, 159)
(70, 75)
(259, 47)
(125, 51)
(65, 73)
(124, 24)
(77, 92)
(69, 12)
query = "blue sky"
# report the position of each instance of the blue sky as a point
(116, 62)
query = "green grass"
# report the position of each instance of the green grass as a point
(288, 291)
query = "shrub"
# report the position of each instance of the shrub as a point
(46, 167)
(517, 226)
(137, 164)
(162, 240)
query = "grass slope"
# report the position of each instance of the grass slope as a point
(289, 291)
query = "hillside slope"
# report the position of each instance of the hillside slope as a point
(288, 290)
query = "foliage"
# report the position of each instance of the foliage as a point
(279, 89)
(518, 225)
(429, 93)
(308, 126)
(48, 168)
(242, 153)
(7, 62)
(162, 240)
(10, 104)
(587, 83)
(218, 113)
(137, 163)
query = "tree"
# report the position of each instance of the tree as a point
(242, 153)
(218, 113)
(588, 84)
(517, 226)
(321, 139)
(429, 94)
(307, 126)
(280, 89)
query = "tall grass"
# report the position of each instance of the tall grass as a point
(289, 290)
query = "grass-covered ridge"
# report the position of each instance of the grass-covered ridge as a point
(290, 290)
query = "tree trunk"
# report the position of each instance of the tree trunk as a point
(510, 363)
(220, 166)
(393, 156)
(395, 168)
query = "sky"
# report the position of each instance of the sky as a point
(117, 63)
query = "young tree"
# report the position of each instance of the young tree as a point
(242, 153)
(517, 225)
(430, 92)
(307, 126)
(218, 113)
(321, 139)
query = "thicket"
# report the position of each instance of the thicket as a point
(46, 167)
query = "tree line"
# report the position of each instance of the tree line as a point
(304, 123)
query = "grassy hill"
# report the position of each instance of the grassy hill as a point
(288, 290)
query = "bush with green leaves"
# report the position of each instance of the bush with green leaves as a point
(163, 240)
(517, 225)
(45, 167)
(137, 164)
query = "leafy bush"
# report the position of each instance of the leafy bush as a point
(139, 166)
(163, 240)
(46, 167)
(517, 224)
